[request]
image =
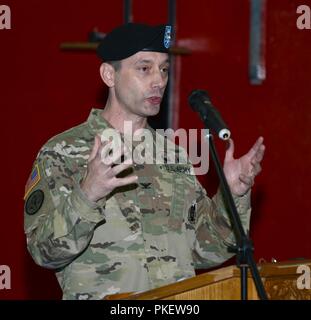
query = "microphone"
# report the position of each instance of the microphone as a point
(200, 102)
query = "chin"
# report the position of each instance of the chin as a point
(151, 114)
(152, 111)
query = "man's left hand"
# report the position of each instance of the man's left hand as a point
(240, 173)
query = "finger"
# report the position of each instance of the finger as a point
(230, 151)
(254, 149)
(254, 162)
(246, 180)
(256, 169)
(119, 182)
(124, 157)
(128, 159)
(256, 159)
(119, 168)
(109, 150)
(259, 155)
(104, 150)
(95, 148)
(115, 154)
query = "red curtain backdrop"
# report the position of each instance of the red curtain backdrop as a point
(44, 91)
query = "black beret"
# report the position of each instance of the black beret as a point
(126, 40)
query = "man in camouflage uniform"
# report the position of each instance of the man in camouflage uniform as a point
(105, 231)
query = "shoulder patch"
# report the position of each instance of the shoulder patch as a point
(34, 202)
(33, 180)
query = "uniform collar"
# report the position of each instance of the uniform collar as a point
(96, 122)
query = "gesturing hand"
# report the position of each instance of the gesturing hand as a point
(241, 172)
(101, 174)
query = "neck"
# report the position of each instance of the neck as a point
(116, 115)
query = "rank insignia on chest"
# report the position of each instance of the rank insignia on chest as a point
(192, 213)
(146, 185)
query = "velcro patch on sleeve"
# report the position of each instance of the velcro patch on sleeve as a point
(34, 202)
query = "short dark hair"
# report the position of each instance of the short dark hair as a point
(115, 64)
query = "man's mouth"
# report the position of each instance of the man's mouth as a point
(154, 100)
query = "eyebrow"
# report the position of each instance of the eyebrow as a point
(150, 61)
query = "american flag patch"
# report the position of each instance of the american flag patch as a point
(33, 180)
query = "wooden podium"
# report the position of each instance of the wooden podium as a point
(279, 279)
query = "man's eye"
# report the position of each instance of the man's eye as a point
(144, 69)
(165, 70)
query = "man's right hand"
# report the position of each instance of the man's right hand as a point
(101, 174)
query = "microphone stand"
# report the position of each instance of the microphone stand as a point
(244, 248)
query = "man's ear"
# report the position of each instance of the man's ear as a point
(107, 74)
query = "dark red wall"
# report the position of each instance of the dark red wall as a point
(277, 110)
(44, 91)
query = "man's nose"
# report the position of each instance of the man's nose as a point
(159, 80)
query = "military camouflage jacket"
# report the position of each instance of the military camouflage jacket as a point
(136, 239)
